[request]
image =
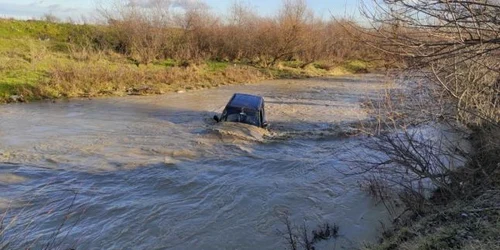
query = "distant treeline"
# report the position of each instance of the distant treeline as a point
(195, 34)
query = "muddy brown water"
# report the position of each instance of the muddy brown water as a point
(156, 172)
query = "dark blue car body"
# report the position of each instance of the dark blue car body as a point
(245, 108)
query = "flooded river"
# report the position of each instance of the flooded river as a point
(156, 172)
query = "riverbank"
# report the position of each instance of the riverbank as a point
(469, 220)
(58, 77)
(447, 195)
(472, 224)
(45, 60)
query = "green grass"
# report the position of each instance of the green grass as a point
(215, 66)
(23, 76)
(61, 32)
(20, 82)
(6, 90)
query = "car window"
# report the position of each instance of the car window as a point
(233, 118)
(250, 118)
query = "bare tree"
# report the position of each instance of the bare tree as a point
(199, 27)
(141, 28)
(292, 23)
(51, 18)
(240, 31)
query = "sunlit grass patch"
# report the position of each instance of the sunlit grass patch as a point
(42, 30)
(356, 66)
(216, 66)
(167, 63)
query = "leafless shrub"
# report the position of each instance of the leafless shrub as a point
(141, 29)
(455, 43)
(299, 237)
(380, 190)
(51, 18)
(195, 34)
(414, 151)
(419, 155)
(452, 48)
(325, 232)
(289, 235)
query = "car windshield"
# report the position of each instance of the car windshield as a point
(244, 117)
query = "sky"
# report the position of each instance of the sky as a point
(78, 9)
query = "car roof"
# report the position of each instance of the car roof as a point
(247, 101)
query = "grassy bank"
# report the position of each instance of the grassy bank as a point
(470, 221)
(43, 60)
(461, 225)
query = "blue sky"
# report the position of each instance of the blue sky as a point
(25, 9)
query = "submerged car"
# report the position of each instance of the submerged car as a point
(244, 108)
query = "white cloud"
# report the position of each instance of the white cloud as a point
(38, 8)
(183, 4)
(187, 4)
(54, 7)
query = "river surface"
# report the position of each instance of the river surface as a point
(156, 172)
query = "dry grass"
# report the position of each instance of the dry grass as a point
(473, 224)
(55, 76)
(84, 73)
(100, 79)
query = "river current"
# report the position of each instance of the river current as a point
(156, 172)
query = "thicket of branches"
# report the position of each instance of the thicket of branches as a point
(455, 42)
(452, 49)
(163, 31)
